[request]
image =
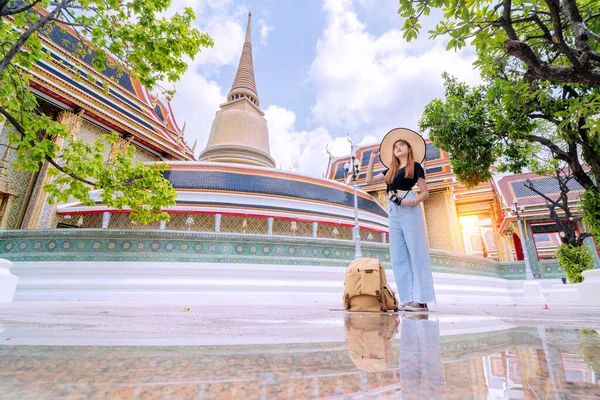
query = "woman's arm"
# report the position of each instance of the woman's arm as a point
(370, 179)
(423, 194)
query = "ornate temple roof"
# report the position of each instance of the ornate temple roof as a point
(68, 80)
(512, 187)
(233, 189)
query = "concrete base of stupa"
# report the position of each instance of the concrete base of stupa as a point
(227, 283)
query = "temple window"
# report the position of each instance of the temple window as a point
(546, 239)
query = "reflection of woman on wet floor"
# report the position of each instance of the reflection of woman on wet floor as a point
(420, 361)
(402, 151)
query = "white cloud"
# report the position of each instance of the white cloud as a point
(264, 31)
(195, 105)
(228, 35)
(224, 22)
(370, 84)
(381, 10)
(303, 151)
(369, 139)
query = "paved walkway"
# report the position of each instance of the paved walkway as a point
(196, 323)
(75, 350)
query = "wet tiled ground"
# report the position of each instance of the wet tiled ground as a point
(165, 351)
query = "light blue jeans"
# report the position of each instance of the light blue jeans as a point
(409, 253)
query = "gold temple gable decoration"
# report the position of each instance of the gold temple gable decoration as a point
(119, 146)
(72, 121)
(7, 185)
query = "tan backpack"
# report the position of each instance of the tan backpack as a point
(369, 340)
(366, 288)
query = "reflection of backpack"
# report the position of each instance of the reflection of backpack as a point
(369, 340)
(366, 288)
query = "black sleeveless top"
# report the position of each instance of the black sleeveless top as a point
(402, 183)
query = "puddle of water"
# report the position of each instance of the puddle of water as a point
(383, 356)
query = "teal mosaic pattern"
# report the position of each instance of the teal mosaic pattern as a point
(178, 246)
(591, 244)
(108, 245)
(37, 192)
(21, 180)
(461, 266)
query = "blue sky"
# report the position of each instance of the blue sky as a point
(323, 68)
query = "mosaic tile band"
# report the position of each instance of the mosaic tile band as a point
(172, 246)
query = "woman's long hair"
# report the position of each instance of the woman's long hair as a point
(409, 170)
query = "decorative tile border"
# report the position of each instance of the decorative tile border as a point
(180, 246)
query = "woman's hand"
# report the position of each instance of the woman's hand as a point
(370, 179)
(374, 154)
(407, 202)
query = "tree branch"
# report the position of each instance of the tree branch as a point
(547, 34)
(591, 17)
(27, 34)
(554, 7)
(79, 7)
(576, 21)
(64, 22)
(23, 90)
(544, 116)
(21, 131)
(22, 7)
(538, 70)
(584, 235)
(588, 149)
(506, 22)
(591, 34)
(568, 231)
(570, 157)
(577, 170)
(529, 185)
(557, 151)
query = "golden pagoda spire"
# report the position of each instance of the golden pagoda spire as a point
(239, 133)
(244, 83)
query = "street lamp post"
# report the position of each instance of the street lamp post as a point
(355, 167)
(515, 208)
(531, 288)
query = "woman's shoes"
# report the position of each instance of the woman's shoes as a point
(413, 306)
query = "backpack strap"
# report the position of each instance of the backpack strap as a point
(380, 300)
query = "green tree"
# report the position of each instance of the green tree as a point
(540, 66)
(574, 260)
(553, 40)
(131, 35)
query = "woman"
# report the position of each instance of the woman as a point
(402, 151)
